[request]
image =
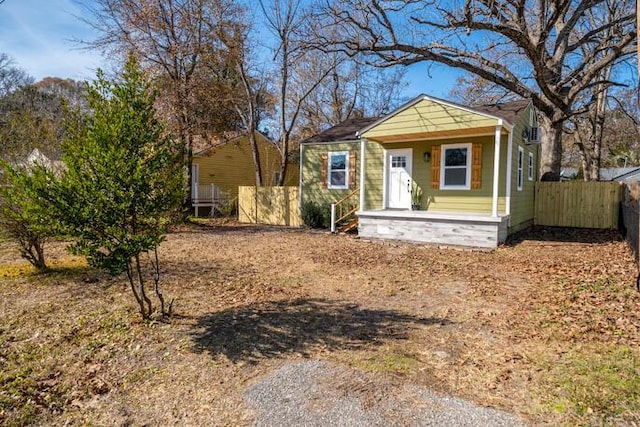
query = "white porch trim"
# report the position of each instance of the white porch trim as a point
(507, 209)
(384, 179)
(363, 163)
(496, 169)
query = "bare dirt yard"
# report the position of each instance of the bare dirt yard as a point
(546, 328)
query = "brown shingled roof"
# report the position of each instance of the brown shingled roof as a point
(345, 131)
(508, 111)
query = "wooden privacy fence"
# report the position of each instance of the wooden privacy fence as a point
(631, 216)
(269, 205)
(578, 204)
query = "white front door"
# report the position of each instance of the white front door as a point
(399, 178)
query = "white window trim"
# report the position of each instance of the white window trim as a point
(443, 151)
(346, 170)
(530, 170)
(520, 166)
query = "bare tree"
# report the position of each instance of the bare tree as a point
(247, 92)
(473, 90)
(622, 141)
(548, 51)
(352, 89)
(11, 76)
(284, 19)
(172, 38)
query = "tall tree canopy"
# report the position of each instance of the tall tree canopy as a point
(175, 41)
(549, 51)
(32, 116)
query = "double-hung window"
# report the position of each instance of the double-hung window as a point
(338, 170)
(530, 170)
(455, 171)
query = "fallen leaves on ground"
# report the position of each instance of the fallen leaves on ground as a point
(505, 329)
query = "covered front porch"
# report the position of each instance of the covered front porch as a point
(445, 176)
(451, 229)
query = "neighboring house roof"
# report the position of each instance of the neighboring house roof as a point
(36, 157)
(627, 175)
(345, 131)
(607, 174)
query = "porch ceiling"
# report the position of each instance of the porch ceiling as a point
(443, 134)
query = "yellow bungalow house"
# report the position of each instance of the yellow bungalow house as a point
(431, 171)
(220, 167)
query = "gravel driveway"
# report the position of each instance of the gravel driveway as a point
(316, 393)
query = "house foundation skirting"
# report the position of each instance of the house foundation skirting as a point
(472, 230)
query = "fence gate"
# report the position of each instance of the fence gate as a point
(631, 216)
(269, 205)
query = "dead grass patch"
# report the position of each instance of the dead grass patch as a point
(545, 329)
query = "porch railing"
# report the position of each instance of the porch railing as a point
(342, 212)
(207, 195)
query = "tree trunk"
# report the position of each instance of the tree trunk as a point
(188, 157)
(250, 121)
(284, 163)
(551, 139)
(257, 167)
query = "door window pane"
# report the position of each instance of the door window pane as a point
(399, 161)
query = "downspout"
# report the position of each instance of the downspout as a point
(496, 169)
(507, 209)
(363, 149)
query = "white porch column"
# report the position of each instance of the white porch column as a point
(507, 209)
(363, 149)
(496, 169)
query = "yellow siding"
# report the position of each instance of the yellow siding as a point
(374, 167)
(522, 202)
(429, 116)
(231, 165)
(464, 201)
(313, 189)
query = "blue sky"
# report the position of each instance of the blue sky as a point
(39, 34)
